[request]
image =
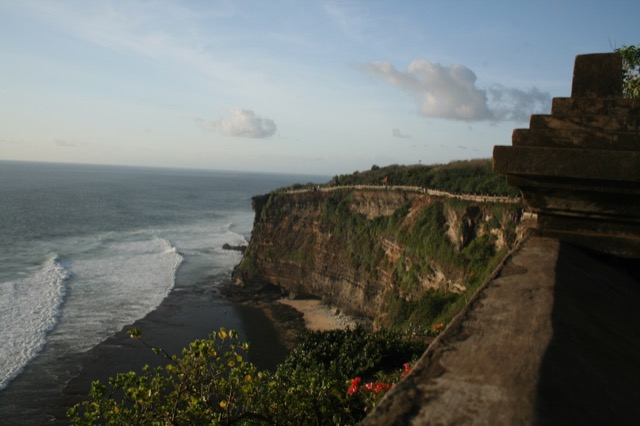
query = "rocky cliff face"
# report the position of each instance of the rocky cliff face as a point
(371, 251)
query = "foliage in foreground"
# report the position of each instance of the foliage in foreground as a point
(333, 377)
(631, 69)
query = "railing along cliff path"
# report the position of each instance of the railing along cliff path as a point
(434, 192)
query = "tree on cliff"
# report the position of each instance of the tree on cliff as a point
(631, 68)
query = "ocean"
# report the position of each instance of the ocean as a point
(87, 250)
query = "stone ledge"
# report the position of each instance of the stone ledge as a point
(578, 163)
(577, 138)
(553, 339)
(597, 75)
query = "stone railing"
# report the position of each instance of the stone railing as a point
(579, 167)
(478, 198)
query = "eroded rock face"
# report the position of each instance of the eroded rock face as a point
(349, 247)
(462, 225)
(374, 204)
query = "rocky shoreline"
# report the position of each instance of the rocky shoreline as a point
(289, 322)
(292, 318)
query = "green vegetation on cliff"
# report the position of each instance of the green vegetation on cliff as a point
(465, 177)
(425, 253)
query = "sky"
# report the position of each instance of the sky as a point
(292, 86)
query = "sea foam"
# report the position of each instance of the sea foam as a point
(121, 282)
(29, 308)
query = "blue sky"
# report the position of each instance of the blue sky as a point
(320, 87)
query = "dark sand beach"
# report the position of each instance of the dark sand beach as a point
(40, 396)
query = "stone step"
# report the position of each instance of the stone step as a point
(611, 107)
(597, 75)
(608, 237)
(576, 138)
(576, 163)
(586, 205)
(563, 184)
(603, 123)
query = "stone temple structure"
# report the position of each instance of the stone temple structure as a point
(553, 337)
(579, 167)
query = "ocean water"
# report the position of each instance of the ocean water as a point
(87, 250)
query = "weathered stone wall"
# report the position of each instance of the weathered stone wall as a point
(579, 167)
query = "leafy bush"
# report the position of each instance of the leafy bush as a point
(631, 69)
(213, 384)
(210, 383)
(468, 177)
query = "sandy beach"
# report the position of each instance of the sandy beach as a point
(319, 317)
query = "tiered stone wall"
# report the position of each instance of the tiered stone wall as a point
(579, 167)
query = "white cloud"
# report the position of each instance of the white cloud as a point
(68, 143)
(450, 92)
(142, 28)
(241, 123)
(65, 143)
(349, 18)
(398, 134)
(516, 104)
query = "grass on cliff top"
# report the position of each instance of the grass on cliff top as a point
(466, 177)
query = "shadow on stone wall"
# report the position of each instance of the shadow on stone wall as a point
(589, 372)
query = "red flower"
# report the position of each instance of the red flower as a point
(355, 384)
(438, 327)
(369, 386)
(407, 369)
(381, 386)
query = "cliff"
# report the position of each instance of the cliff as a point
(396, 256)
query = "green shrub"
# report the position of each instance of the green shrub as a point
(469, 177)
(213, 384)
(631, 70)
(210, 383)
